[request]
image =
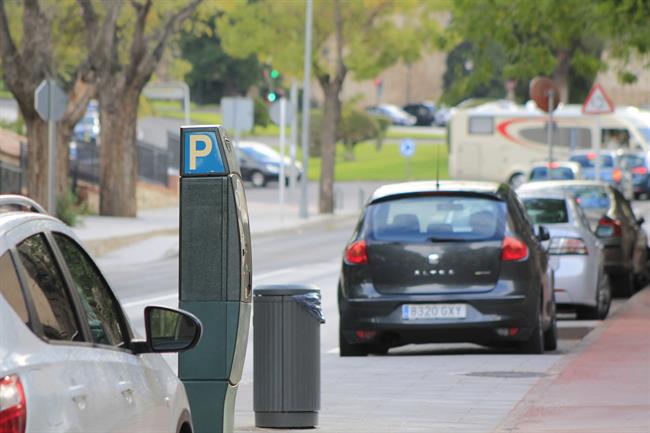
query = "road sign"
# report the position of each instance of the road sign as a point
(597, 101)
(50, 101)
(274, 113)
(407, 148)
(238, 113)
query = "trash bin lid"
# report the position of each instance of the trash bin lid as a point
(284, 290)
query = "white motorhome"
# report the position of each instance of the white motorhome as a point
(499, 140)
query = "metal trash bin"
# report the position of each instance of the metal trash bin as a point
(286, 356)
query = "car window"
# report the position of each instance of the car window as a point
(589, 160)
(555, 173)
(591, 197)
(47, 290)
(546, 210)
(10, 288)
(102, 310)
(437, 218)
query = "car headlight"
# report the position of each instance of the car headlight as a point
(272, 168)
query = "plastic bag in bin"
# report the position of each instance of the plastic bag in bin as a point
(311, 303)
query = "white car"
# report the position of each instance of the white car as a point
(575, 252)
(69, 361)
(556, 170)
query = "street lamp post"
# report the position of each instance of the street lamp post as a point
(304, 196)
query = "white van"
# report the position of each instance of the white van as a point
(498, 141)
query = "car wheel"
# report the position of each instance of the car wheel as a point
(550, 335)
(535, 343)
(517, 180)
(378, 350)
(623, 285)
(258, 179)
(603, 303)
(346, 349)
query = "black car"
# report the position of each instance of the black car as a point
(425, 113)
(260, 164)
(447, 262)
(614, 222)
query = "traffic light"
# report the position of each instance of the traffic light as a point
(272, 96)
(274, 74)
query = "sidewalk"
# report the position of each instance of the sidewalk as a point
(101, 235)
(603, 388)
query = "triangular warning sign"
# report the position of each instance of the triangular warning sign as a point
(597, 102)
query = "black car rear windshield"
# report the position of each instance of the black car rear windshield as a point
(589, 160)
(437, 219)
(546, 210)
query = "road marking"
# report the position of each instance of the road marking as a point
(257, 278)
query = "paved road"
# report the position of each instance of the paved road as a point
(460, 388)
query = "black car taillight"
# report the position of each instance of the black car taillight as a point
(608, 227)
(356, 253)
(513, 249)
(13, 407)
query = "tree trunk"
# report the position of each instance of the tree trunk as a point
(331, 115)
(561, 74)
(119, 165)
(37, 159)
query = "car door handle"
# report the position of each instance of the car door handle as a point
(78, 394)
(126, 389)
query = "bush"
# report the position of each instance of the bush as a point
(356, 126)
(66, 208)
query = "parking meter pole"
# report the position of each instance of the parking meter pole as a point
(282, 176)
(215, 282)
(294, 137)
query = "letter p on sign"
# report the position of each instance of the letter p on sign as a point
(201, 154)
(195, 153)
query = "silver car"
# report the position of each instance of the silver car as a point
(576, 253)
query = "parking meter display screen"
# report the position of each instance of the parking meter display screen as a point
(201, 154)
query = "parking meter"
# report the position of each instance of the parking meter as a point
(215, 279)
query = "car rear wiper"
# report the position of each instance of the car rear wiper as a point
(441, 239)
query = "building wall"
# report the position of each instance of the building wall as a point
(637, 94)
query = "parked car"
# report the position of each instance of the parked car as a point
(260, 164)
(443, 115)
(396, 115)
(576, 253)
(69, 360)
(556, 170)
(447, 262)
(637, 164)
(609, 169)
(611, 217)
(424, 112)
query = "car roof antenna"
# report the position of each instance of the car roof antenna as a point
(437, 167)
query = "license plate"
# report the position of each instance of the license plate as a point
(433, 311)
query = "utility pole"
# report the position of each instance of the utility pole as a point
(304, 196)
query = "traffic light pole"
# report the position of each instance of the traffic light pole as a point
(306, 96)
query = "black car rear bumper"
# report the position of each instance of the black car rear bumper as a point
(488, 320)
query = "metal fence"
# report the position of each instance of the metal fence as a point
(152, 162)
(11, 178)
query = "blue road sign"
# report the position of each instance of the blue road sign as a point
(407, 147)
(201, 155)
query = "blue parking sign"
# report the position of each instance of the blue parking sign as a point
(201, 154)
(407, 147)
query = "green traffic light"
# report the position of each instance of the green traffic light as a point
(271, 96)
(275, 74)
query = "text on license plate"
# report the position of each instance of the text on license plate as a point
(433, 311)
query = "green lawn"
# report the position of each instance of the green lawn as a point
(416, 135)
(386, 164)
